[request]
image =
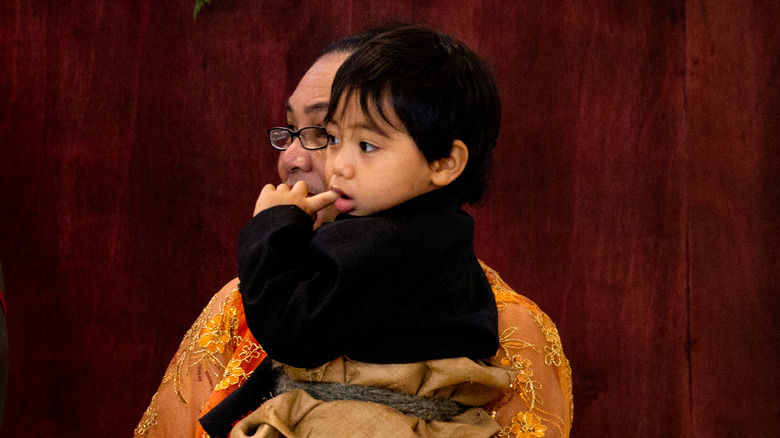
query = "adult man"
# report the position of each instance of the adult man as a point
(219, 353)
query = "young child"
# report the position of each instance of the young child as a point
(382, 318)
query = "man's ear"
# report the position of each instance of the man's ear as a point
(447, 169)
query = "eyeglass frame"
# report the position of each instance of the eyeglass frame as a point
(297, 133)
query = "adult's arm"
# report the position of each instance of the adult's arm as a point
(196, 368)
(540, 400)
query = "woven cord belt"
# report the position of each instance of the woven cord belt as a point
(426, 408)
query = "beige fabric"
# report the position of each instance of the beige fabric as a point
(296, 414)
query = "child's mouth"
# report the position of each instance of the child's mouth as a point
(344, 204)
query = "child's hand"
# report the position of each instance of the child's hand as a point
(282, 194)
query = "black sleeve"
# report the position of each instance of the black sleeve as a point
(312, 297)
(291, 290)
(375, 289)
(273, 266)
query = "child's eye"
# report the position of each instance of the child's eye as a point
(367, 147)
(332, 139)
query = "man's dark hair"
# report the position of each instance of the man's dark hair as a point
(353, 42)
(440, 90)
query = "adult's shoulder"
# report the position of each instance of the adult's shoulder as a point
(226, 294)
(520, 312)
(530, 344)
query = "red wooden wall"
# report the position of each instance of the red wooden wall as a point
(733, 174)
(635, 193)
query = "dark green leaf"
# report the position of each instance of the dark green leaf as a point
(199, 4)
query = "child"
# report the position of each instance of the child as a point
(386, 311)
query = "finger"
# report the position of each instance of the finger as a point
(260, 204)
(300, 188)
(327, 214)
(316, 203)
(282, 188)
(268, 188)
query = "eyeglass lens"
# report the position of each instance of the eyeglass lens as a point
(311, 137)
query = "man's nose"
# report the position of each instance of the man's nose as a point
(296, 157)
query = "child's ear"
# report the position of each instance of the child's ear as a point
(447, 169)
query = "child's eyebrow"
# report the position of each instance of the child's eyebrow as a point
(364, 126)
(372, 127)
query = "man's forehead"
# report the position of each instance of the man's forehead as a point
(313, 91)
(307, 95)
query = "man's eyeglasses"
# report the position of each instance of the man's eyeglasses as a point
(312, 138)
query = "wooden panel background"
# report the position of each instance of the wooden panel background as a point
(635, 193)
(733, 115)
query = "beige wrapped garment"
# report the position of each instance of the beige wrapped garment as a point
(296, 414)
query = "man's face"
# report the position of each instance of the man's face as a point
(307, 107)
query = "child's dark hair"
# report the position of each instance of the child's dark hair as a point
(440, 90)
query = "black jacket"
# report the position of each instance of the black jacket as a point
(400, 286)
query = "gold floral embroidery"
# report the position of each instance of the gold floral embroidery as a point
(532, 421)
(149, 419)
(527, 425)
(524, 383)
(203, 341)
(507, 342)
(554, 349)
(554, 353)
(234, 371)
(216, 334)
(524, 386)
(234, 374)
(524, 380)
(199, 352)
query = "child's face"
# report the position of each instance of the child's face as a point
(373, 168)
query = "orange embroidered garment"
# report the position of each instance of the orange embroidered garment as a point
(218, 354)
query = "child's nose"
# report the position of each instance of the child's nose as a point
(341, 165)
